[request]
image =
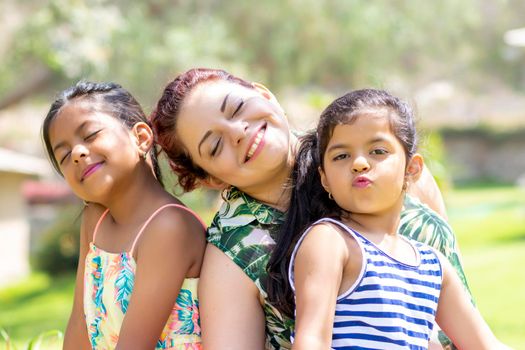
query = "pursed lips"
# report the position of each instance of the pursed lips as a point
(361, 182)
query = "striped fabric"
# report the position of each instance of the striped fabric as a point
(392, 305)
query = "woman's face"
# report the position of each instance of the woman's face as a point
(238, 135)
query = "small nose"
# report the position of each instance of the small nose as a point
(237, 131)
(78, 152)
(360, 164)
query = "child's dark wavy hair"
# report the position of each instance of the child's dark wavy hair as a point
(108, 98)
(309, 201)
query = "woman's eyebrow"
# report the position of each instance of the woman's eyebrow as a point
(223, 106)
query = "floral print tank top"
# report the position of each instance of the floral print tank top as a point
(108, 285)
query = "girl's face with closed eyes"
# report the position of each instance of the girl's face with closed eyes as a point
(240, 136)
(94, 151)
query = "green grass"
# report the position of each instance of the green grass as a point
(489, 222)
(34, 306)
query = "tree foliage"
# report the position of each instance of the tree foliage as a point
(331, 43)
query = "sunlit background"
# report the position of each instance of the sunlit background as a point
(461, 64)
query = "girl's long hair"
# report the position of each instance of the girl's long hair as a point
(308, 203)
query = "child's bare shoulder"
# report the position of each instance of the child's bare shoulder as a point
(175, 226)
(91, 214)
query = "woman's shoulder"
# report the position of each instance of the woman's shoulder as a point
(422, 224)
(243, 230)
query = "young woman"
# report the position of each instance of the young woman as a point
(224, 132)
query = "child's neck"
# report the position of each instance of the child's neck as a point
(137, 199)
(375, 224)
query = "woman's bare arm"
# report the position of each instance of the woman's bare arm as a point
(232, 317)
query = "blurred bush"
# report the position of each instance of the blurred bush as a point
(432, 148)
(58, 248)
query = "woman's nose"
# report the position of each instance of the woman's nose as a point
(237, 131)
(78, 152)
(360, 164)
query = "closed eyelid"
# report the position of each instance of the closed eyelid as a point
(238, 108)
(204, 138)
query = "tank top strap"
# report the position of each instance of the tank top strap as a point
(98, 223)
(155, 214)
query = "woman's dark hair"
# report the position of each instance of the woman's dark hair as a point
(109, 98)
(164, 120)
(309, 201)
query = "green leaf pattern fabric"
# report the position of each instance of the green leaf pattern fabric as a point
(244, 229)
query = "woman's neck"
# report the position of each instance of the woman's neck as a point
(276, 191)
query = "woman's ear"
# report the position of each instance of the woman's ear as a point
(143, 135)
(263, 90)
(414, 167)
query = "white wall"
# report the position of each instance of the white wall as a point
(14, 229)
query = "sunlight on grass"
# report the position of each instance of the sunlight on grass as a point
(36, 305)
(498, 289)
(489, 223)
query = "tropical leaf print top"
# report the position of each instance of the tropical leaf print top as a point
(244, 229)
(108, 285)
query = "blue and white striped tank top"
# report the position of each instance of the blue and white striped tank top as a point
(392, 305)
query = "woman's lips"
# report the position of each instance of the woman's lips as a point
(90, 169)
(257, 144)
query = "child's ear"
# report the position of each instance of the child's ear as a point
(213, 183)
(414, 167)
(324, 181)
(143, 135)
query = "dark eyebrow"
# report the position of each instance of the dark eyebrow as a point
(206, 135)
(223, 106)
(80, 127)
(336, 146)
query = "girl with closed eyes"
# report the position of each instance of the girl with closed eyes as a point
(141, 249)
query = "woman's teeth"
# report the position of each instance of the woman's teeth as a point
(255, 144)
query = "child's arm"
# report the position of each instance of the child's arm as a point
(76, 336)
(458, 318)
(317, 274)
(170, 249)
(231, 314)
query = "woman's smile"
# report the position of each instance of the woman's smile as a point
(257, 144)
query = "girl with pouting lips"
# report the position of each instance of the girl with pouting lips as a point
(223, 132)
